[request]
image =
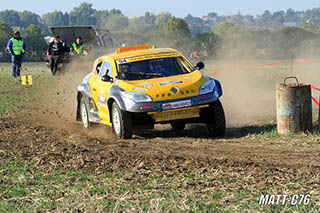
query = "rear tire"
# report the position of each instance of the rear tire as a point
(217, 122)
(121, 122)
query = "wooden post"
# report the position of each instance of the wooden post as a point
(319, 115)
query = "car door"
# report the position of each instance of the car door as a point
(101, 88)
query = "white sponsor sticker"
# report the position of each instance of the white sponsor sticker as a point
(102, 97)
(122, 61)
(170, 82)
(139, 89)
(147, 86)
(177, 104)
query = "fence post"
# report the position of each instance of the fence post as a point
(319, 115)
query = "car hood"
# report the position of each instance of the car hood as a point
(167, 88)
(69, 33)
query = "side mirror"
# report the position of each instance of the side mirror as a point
(199, 66)
(107, 78)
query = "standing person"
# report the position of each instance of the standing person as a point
(55, 51)
(77, 46)
(17, 48)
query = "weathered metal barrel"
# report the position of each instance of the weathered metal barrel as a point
(294, 110)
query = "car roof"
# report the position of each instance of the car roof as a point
(137, 53)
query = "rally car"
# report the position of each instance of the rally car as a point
(138, 87)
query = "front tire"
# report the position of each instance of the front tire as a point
(217, 122)
(84, 114)
(177, 126)
(121, 122)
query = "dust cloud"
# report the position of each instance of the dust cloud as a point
(248, 93)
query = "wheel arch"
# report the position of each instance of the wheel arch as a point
(119, 101)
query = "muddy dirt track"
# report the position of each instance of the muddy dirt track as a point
(188, 151)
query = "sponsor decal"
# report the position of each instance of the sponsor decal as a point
(139, 89)
(187, 77)
(174, 90)
(181, 113)
(170, 82)
(146, 57)
(102, 97)
(177, 104)
(147, 85)
(122, 61)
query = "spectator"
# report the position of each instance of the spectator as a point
(78, 47)
(17, 49)
(56, 51)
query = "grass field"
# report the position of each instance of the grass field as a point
(44, 168)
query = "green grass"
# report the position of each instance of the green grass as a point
(28, 188)
(15, 97)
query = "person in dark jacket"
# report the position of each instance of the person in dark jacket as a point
(56, 51)
(17, 49)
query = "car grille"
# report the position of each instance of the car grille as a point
(180, 92)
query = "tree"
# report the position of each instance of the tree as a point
(149, 18)
(291, 16)
(83, 15)
(196, 25)
(115, 12)
(162, 19)
(206, 43)
(117, 22)
(35, 42)
(101, 17)
(28, 18)
(212, 14)
(179, 34)
(287, 41)
(5, 34)
(178, 26)
(10, 17)
(56, 18)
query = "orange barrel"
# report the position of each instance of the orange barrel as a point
(294, 112)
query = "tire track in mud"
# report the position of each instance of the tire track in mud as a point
(159, 149)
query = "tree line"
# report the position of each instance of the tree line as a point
(281, 34)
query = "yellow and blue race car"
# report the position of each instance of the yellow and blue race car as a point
(138, 87)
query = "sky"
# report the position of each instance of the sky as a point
(178, 8)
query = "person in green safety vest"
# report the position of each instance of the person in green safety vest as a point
(17, 49)
(77, 47)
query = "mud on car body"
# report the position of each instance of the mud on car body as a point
(137, 87)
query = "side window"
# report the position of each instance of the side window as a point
(98, 67)
(106, 69)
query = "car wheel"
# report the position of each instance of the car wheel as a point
(177, 126)
(217, 122)
(121, 122)
(84, 114)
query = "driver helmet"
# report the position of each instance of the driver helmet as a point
(157, 65)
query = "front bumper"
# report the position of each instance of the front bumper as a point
(158, 105)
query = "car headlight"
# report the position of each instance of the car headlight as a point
(207, 87)
(137, 96)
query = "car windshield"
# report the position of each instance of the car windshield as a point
(151, 68)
